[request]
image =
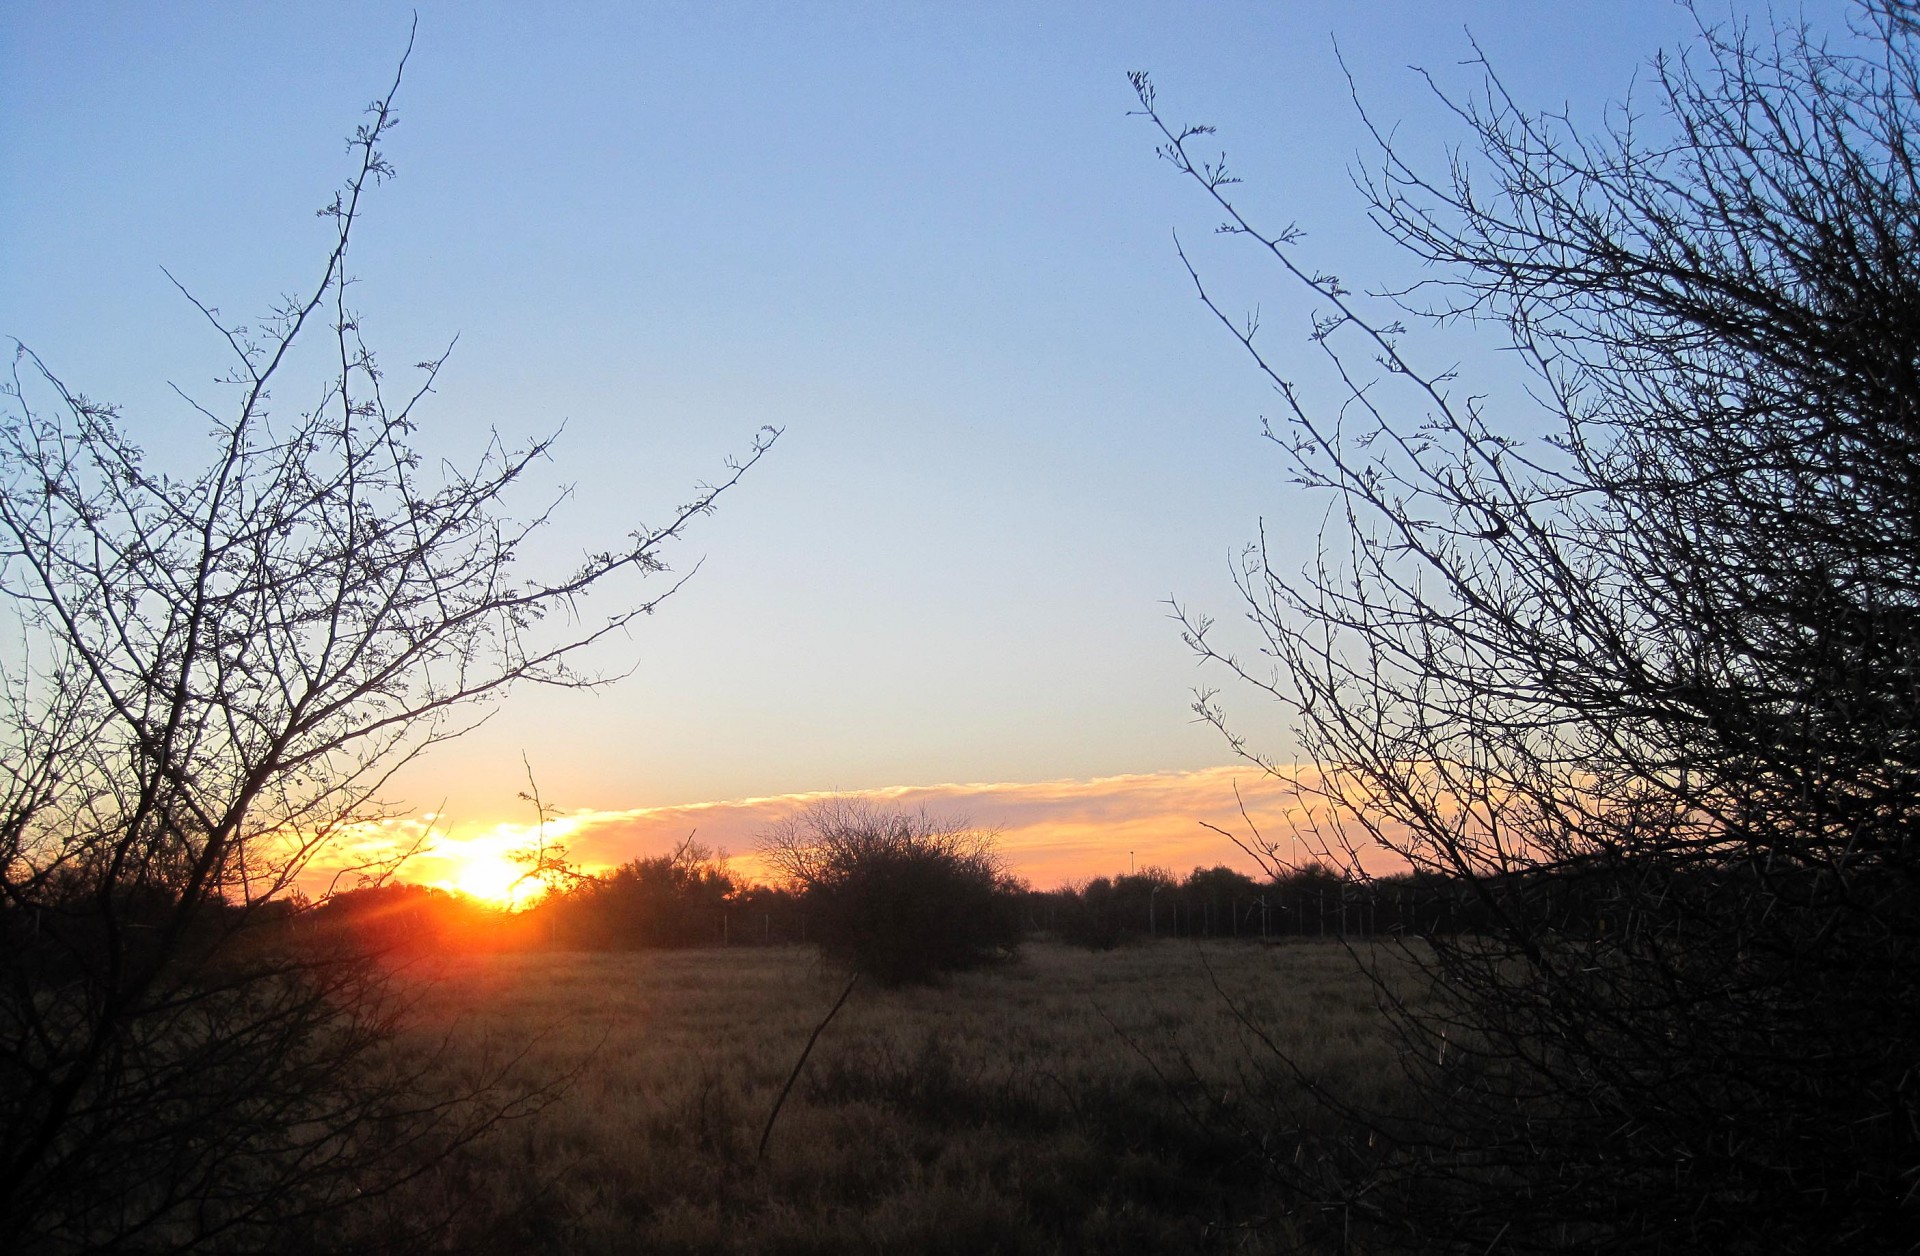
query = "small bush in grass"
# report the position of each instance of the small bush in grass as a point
(900, 897)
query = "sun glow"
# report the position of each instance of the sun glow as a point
(483, 870)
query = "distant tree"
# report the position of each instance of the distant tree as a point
(1086, 914)
(1645, 693)
(1218, 881)
(1104, 912)
(765, 914)
(1145, 900)
(897, 896)
(1214, 898)
(206, 680)
(677, 899)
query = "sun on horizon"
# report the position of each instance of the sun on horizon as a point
(485, 871)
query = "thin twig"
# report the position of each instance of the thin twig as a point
(801, 1063)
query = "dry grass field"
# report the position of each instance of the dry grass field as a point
(1072, 1101)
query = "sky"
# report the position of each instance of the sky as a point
(926, 241)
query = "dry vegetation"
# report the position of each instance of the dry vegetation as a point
(1072, 1101)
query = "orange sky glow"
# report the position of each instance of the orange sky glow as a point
(1051, 832)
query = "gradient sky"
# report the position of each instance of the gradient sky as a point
(926, 240)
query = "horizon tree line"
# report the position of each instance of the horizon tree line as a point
(691, 897)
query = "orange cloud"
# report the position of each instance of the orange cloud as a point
(1050, 831)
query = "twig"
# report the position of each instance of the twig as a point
(801, 1063)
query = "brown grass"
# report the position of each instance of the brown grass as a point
(1072, 1101)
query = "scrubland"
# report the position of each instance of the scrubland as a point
(1070, 1101)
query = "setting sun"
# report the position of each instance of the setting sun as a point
(491, 875)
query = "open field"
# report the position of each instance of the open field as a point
(1073, 1101)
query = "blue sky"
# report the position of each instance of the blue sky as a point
(926, 240)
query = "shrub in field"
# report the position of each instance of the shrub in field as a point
(680, 899)
(899, 897)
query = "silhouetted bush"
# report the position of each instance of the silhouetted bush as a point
(899, 897)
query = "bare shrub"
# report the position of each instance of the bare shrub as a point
(899, 897)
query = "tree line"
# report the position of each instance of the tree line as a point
(693, 898)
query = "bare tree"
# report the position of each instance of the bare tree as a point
(1645, 693)
(206, 681)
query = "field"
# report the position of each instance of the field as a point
(1073, 1101)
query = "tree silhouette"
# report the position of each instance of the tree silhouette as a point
(1644, 691)
(206, 681)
